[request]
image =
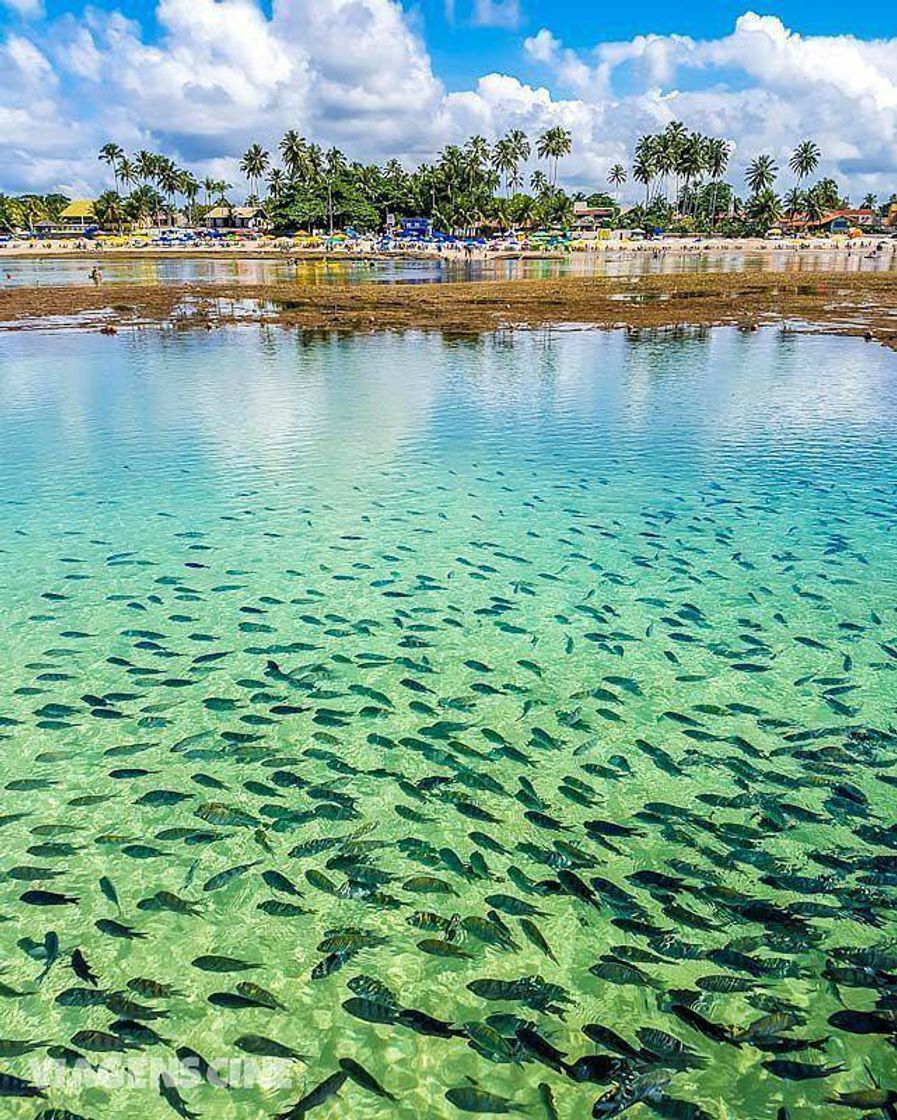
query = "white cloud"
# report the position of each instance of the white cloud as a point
(497, 13)
(30, 9)
(223, 73)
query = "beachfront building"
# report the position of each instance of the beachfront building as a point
(232, 218)
(836, 222)
(589, 218)
(78, 215)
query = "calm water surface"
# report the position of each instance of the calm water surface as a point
(428, 627)
(19, 271)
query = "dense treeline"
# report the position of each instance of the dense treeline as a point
(511, 184)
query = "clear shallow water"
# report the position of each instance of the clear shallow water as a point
(330, 573)
(181, 269)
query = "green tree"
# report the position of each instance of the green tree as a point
(112, 154)
(761, 174)
(128, 174)
(277, 181)
(553, 145)
(646, 166)
(617, 177)
(804, 159)
(109, 210)
(147, 166)
(794, 202)
(254, 165)
(717, 154)
(142, 204)
(764, 209)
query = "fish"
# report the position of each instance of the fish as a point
(321, 1093)
(800, 1071)
(169, 1093)
(223, 878)
(364, 1079)
(12, 1086)
(469, 1098)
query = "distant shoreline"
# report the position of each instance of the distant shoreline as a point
(265, 251)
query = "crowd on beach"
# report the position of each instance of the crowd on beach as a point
(371, 248)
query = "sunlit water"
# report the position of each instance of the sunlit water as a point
(185, 269)
(329, 572)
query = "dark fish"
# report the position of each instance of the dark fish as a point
(169, 1093)
(425, 1024)
(223, 964)
(47, 898)
(11, 1086)
(800, 1071)
(116, 929)
(223, 878)
(267, 1047)
(328, 1088)
(710, 1030)
(468, 1098)
(361, 1077)
(82, 969)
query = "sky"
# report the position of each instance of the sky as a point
(202, 79)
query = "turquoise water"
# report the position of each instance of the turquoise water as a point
(478, 616)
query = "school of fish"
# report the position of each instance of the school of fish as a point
(537, 802)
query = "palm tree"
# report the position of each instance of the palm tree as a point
(717, 154)
(254, 165)
(11, 213)
(691, 161)
(127, 172)
(147, 166)
(804, 159)
(617, 177)
(505, 159)
(314, 160)
(828, 192)
(277, 181)
(109, 209)
(553, 145)
(208, 185)
(189, 187)
(764, 209)
(870, 202)
(539, 183)
(521, 144)
(292, 149)
(142, 204)
(794, 202)
(645, 164)
(816, 203)
(112, 154)
(669, 146)
(335, 164)
(169, 179)
(761, 174)
(33, 209)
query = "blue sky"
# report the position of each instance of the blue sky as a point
(462, 49)
(200, 79)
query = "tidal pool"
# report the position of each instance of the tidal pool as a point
(181, 268)
(513, 717)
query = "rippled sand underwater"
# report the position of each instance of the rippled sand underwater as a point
(419, 702)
